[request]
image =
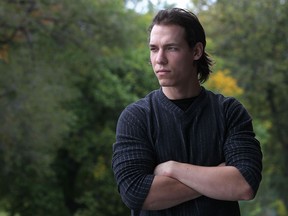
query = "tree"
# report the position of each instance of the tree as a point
(69, 68)
(33, 123)
(222, 82)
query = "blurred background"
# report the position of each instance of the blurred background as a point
(69, 67)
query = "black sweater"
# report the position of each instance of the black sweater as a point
(214, 129)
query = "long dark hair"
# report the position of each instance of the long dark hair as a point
(194, 34)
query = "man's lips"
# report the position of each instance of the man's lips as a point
(160, 72)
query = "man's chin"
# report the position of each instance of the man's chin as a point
(165, 83)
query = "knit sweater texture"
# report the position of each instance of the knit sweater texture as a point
(214, 129)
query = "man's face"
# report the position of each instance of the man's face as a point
(171, 57)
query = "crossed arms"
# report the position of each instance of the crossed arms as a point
(143, 184)
(176, 182)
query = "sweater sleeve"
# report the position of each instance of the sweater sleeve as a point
(133, 158)
(241, 148)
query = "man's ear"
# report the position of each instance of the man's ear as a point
(198, 51)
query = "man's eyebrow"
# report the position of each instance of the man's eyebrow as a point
(165, 45)
(172, 44)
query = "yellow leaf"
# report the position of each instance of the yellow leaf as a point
(223, 83)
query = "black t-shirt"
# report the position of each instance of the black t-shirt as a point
(185, 103)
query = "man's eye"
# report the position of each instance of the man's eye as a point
(172, 48)
(153, 49)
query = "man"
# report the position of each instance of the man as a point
(183, 150)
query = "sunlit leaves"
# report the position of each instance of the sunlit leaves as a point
(222, 82)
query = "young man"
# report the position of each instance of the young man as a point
(183, 150)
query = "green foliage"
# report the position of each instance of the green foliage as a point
(71, 69)
(33, 123)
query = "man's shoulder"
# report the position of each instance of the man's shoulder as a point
(143, 105)
(145, 102)
(230, 106)
(221, 99)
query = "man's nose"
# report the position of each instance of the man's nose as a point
(161, 57)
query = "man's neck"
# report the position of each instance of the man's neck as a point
(174, 93)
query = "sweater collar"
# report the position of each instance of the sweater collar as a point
(170, 106)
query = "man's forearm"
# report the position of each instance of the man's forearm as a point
(221, 182)
(167, 192)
